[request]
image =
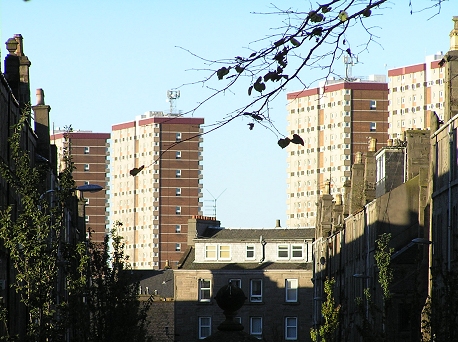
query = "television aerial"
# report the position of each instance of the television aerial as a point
(172, 97)
(214, 200)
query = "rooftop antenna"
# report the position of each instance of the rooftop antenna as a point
(172, 97)
(215, 199)
(349, 60)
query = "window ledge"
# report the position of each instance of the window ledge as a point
(204, 303)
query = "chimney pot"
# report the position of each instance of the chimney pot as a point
(40, 97)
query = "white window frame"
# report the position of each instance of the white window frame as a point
(205, 327)
(290, 328)
(255, 297)
(297, 248)
(373, 105)
(178, 192)
(210, 252)
(178, 136)
(178, 210)
(223, 249)
(291, 290)
(86, 150)
(256, 331)
(282, 248)
(178, 228)
(178, 155)
(204, 289)
(178, 247)
(178, 174)
(249, 249)
(86, 167)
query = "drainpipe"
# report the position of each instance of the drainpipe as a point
(263, 243)
(367, 226)
(449, 214)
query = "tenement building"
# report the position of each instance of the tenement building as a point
(156, 185)
(335, 120)
(272, 266)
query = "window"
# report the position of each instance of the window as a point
(210, 252)
(296, 250)
(236, 282)
(224, 252)
(178, 228)
(178, 192)
(178, 247)
(86, 167)
(204, 290)
(178, 174)
(256, 327)
(178, 210)
(178, 136)
(256, 290)
(373, 126)
(373, 105)
(283, 251)
(86, 218)
(290, 328)
(250, 251)
(291, 290)
(205, 327)
(178, 155)
(86, 150)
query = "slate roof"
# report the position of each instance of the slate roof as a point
(160, 280)
(250, 234)
(187, 263)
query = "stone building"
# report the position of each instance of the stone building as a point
(346, 243)
(271, 266)
(443, 194)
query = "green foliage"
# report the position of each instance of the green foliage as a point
(383, 260)
(115, 309)
(31, 231)
(68, 288)
(330, 313)
(370, 315)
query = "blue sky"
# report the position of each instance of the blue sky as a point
(104, 62)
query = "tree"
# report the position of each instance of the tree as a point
(31, 233)
(330, 312)
(70, 289)
(114, 307)
(314, 38)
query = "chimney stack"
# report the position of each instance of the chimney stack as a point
(41, 114)
(17, 70)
